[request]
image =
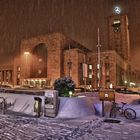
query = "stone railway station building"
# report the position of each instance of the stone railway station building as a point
(45, 58)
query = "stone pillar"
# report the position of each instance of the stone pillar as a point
(54, 63)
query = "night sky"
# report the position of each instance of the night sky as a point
(78, 19)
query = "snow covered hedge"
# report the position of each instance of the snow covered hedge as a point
(64, 85)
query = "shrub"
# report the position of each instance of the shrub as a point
(64, 85)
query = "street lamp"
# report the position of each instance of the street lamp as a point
(26, 62)
(69, 63)
(98, 61)
(26, 53)
(125, 82)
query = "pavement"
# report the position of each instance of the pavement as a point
(13, 127)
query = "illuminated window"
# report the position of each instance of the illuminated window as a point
(18, 68)
(90, 67)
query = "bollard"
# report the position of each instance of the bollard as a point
(51, 103)
(37, 106)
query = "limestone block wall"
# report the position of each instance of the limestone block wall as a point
(119, 40)
(54, 47)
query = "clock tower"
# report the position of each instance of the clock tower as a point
(119, 35)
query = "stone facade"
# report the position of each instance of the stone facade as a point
(45, 58)
(113, 69)
(119, 35)
(35, 66)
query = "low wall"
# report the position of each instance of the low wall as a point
(68, 108)
(22, 103)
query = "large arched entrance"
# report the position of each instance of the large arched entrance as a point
(38, 67)
(39, 61)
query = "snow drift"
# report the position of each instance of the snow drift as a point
(68, 107)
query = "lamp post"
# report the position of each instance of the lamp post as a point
(26, 55)
(26, 62)
(125, 82)
(85, 75)
(69, 63)
(98, 61)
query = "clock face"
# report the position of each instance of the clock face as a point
(117, 10)
(117, 29)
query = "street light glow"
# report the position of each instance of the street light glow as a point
(26, 53)
(125, 82)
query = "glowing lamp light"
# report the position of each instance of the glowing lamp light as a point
(70, 93)
(26, 53)
(125, 82)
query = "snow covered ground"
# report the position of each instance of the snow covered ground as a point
(14, 127)
(68, 125)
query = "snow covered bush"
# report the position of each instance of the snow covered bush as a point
(64, 85)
